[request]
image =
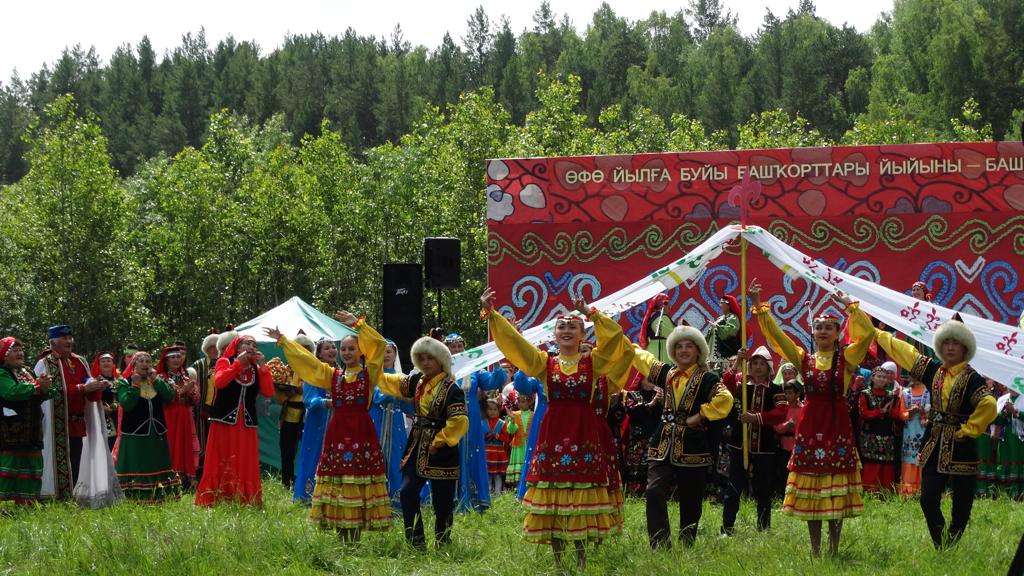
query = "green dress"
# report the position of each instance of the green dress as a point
(1009, 469)
(21, 438)
(143, 458)
(986, 485)
(517, 457)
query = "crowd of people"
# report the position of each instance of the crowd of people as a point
(681, 415)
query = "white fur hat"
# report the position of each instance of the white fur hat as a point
(693, 335)
(304, 341)
(210, 340)
(224, 339)
(434, 348)
(956, 330)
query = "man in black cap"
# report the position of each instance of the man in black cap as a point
(64, 415)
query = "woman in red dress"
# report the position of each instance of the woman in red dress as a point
(351, 491)
(569, 496)
(181, 428)
(824, 471)
(231, 468)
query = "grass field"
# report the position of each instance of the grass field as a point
(178, 538)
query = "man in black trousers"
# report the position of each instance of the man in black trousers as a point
(962, 408)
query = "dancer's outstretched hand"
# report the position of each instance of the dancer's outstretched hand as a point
(842, 297)
(754, 291)
(272, 333)
(347, 318)
(580, 305)
(487, 299)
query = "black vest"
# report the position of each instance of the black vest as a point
(449, 401)
(954, 457)
(759, 399)
(234, 398)
(673, 441)
(147, 417)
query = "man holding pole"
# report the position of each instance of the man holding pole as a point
(766, 407)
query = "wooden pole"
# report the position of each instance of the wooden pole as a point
(743, 344)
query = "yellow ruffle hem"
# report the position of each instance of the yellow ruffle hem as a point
(571, 512)
(823, 496)
(351, 502)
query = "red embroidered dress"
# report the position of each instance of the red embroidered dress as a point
(351, 489)
(824, 481)
(568, 496)
(824, 441)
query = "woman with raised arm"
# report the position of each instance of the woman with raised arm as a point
(351, 492)
(568, 498)
(824, 470)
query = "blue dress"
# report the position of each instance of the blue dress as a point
(388, 415)
(317, 401)
(528, 385)
(473, 491)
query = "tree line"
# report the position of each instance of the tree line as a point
(258, 208)
(921, 62)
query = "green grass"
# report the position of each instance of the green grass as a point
(178, 538)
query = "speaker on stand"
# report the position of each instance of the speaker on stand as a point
(402, 314)
(442, 260)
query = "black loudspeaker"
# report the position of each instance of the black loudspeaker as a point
(441, 262)
(402, 318)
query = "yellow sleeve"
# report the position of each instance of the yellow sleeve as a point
(517, 349)
(614, 353)
(305, 364)
(862, 334)
(454, 429)
(983, 415)
(719, 406)
(644, 361)
(372, 345)
(902, 353)
(390, 384)
(777, 339)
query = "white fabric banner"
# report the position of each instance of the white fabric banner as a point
(1000, 354)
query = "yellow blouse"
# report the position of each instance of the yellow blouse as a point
(717, 408)
(904, 354)
(612, 357)
(861, 335)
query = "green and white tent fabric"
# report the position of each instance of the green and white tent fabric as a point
(290, 317)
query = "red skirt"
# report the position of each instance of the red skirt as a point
(181, 438)
(231, 469)
(350, 446)
(879, 476)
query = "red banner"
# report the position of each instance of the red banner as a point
(951, 215)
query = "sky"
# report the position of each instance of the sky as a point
(35, 32)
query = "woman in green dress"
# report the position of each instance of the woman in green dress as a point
(21, 432)
(143, 459)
